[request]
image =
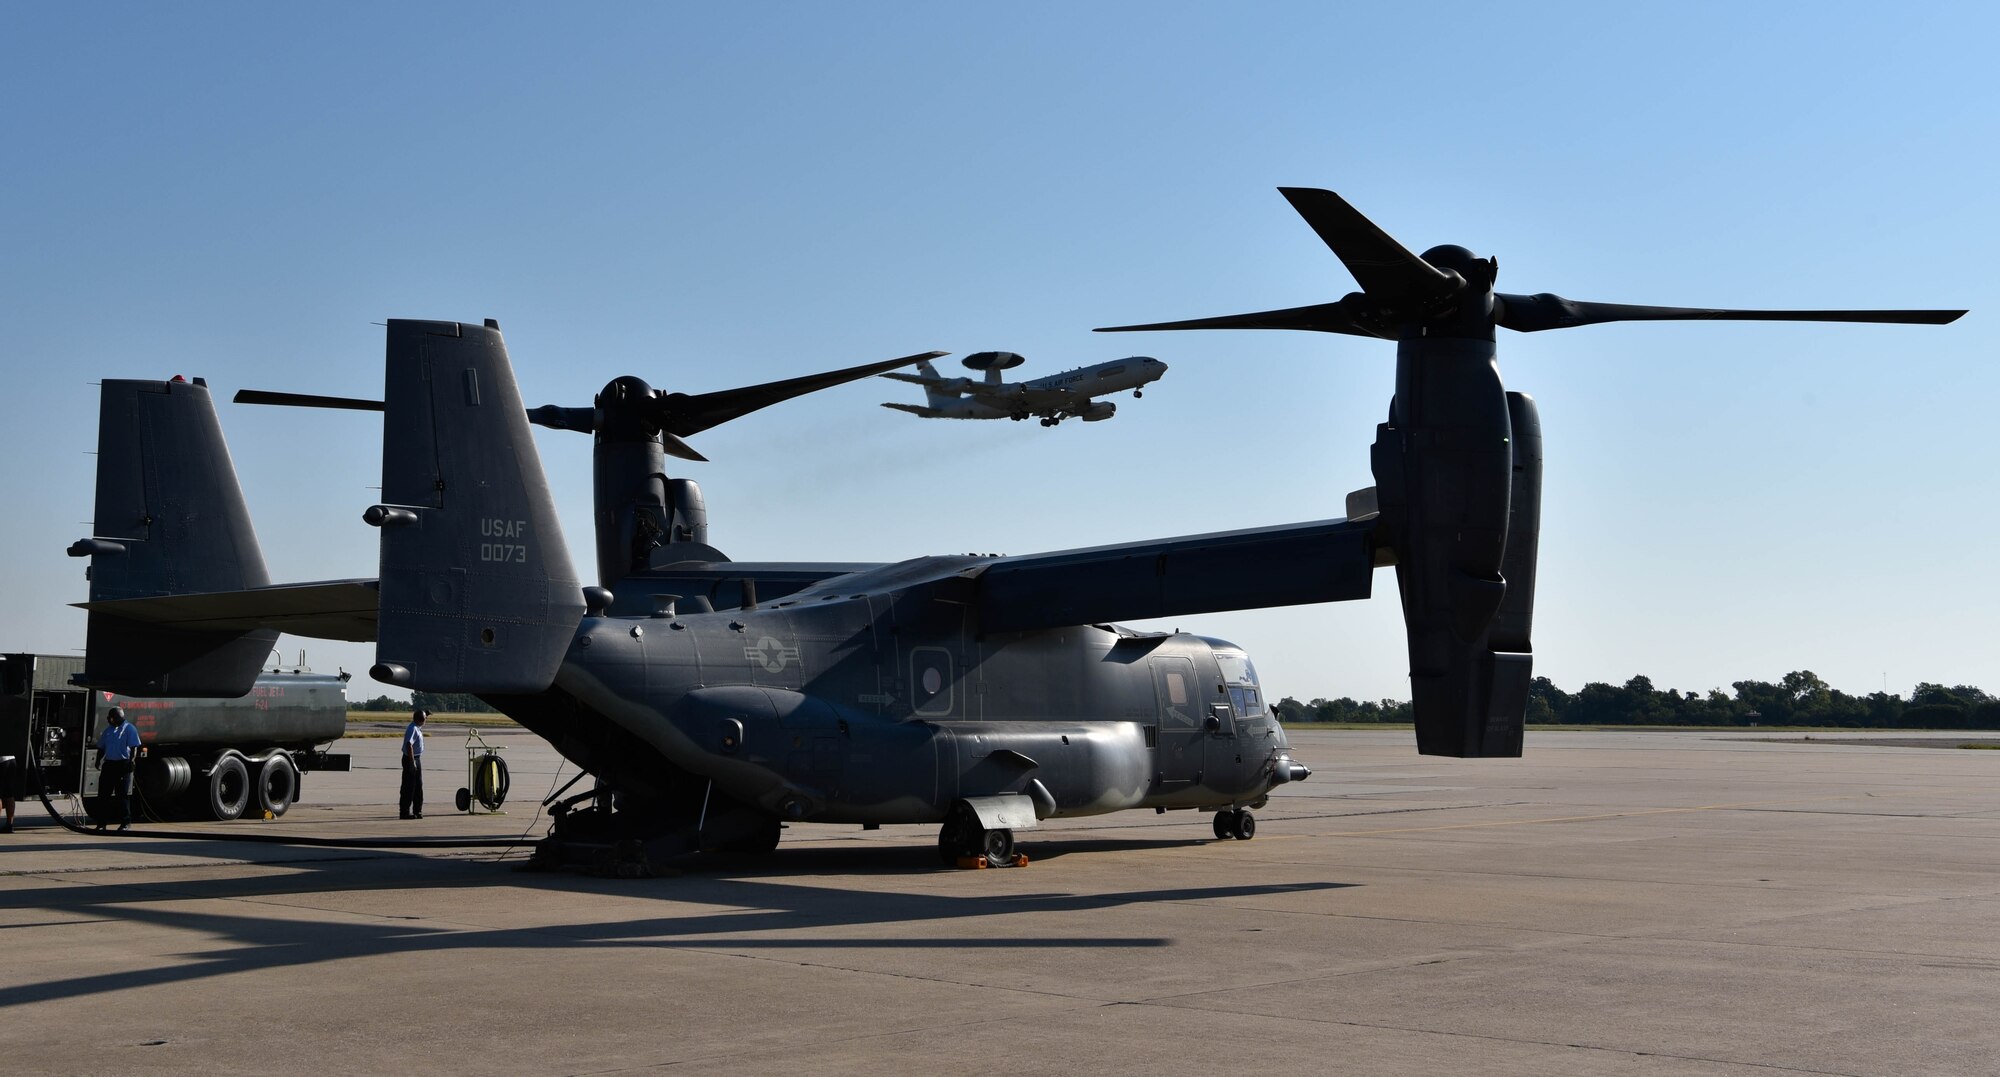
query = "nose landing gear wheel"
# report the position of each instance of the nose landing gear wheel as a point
(1235, 823)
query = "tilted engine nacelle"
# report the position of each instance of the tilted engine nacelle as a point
(1458, 474)
(993, 360)
(1099, 410)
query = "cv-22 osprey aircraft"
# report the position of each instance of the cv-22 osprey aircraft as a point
(1051, 399)
(715, 700)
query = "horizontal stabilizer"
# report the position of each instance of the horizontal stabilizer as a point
(915, 379)
(928, 413)
(337, 609)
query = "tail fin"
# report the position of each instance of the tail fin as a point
(170, 520)
(478, 592)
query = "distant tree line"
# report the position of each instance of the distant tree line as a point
(435, 702)
(1798, 698)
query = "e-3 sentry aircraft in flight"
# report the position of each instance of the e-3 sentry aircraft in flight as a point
(1071, 393)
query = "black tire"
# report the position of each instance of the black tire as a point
(464, 799)
(762, 840)
(277, 785)
(1225, 825)
(958, 836)
(997, 846)
(1246, 826)
(228, 788)
(951, 845)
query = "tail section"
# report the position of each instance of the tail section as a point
(935, 392)
(170, 520)
(477, 590)
(916, 409)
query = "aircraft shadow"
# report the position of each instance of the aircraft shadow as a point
(724, 913)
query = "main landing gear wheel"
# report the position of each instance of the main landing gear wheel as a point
(997, 845)
(962, 837)
(1235, 823)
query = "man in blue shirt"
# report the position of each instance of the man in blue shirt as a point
(119, 748)
(410, 803)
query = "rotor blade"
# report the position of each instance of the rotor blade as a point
(686, 415)
(678, 448)
(556, 417)
(304, 400)
(1389, 273)
(1318, 318)
(1534, 313)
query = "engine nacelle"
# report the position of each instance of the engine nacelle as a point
(1099, 410)
(993, 360)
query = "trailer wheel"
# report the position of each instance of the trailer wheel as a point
(277, 784)
(228, 788)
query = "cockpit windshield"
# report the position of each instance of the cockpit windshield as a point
(1236, 668)
(1241, 678)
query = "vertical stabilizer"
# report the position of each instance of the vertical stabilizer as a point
(477, 590)
(170, 520)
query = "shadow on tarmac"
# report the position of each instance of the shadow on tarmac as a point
(734, 904)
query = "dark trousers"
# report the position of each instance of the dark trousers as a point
(411, 800)
(115, 781)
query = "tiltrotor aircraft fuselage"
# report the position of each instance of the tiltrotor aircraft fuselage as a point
(714, 700)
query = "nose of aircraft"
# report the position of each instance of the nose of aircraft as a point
(1288, 769)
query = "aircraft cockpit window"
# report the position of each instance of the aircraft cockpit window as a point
(1248, 701)
(1236, 668)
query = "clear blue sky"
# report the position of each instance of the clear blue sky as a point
(712, 195)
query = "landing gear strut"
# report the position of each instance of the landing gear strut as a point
(1235, 823)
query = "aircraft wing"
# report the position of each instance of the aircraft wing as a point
(1285, 565)
(332, 609)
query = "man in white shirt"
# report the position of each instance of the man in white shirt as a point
(410, 803)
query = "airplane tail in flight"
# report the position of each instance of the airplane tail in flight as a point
(933, 395)
(170, 521)
(477, 590)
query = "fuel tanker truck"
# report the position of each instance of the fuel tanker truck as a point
(198, 758)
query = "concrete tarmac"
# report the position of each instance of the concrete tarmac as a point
(1614, 903)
